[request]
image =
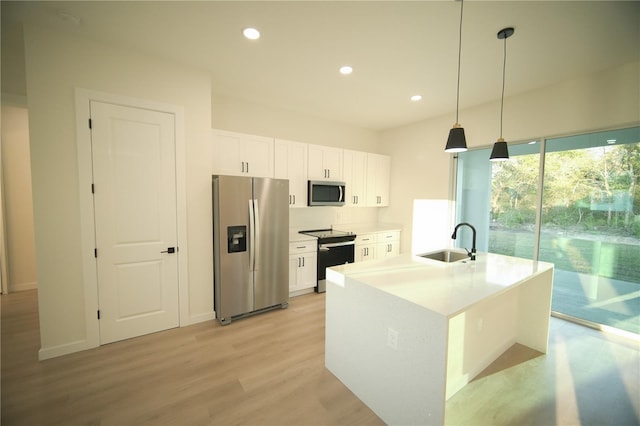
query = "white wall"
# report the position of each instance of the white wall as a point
(247, 117)
(56, 64)
(18, 205)
(420, 168)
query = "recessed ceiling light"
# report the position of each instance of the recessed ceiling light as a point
(532, 142)
(416, 98)
(346, 69)
(611, 141)
(251, 33)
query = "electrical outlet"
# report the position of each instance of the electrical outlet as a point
(392, 338)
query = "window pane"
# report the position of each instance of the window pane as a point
(591, 226)
(514, 197)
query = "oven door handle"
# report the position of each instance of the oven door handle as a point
(326, 247)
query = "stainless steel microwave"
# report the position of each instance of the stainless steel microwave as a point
(323, 193)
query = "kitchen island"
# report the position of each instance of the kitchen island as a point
(404, 334)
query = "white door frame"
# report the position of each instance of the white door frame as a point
(83, 97)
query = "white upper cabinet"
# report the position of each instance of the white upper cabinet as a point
(291, 163)
(325, 163)
(238, 154)
(355, 174)
(378, 175)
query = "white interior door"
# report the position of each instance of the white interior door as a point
(135, 217)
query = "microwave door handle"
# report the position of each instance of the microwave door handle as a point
(341, 194)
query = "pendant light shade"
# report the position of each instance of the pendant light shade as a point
(457, 141)
(500, 151)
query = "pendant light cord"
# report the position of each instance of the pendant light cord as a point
(459, 56)
(504, 67)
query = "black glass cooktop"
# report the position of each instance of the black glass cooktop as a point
(330, 234)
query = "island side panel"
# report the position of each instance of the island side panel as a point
(404, 385)
(534, 311)
(478, 336)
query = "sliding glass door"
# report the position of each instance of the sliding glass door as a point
(586, 220)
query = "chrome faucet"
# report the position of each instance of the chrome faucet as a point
(472, 253)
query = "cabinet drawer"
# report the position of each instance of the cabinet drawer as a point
(366, 239)
(297, 247)
(388, 236)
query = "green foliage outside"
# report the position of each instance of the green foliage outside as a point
(595, 190)
(590, 209)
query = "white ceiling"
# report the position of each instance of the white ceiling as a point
(397, 48)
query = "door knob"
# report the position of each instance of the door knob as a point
(169, 250)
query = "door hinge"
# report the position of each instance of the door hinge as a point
(90, 124)
(95, 252)
(98, 313)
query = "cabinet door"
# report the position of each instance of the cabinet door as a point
(378, 174)
(227, 154)
(308, 273)
(355, 169)
(388, 249)
(257, 153)
(303, 271)
(365, 252)
(325, 163)
(291, 163)
(293, 272)
(237, 154)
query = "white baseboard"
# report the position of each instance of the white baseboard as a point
(23, 286)
(67, 348)
(198, 318)
(301, 292)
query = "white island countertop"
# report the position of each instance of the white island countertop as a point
(444, 288)
(406, 333)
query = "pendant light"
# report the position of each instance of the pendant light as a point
(456, 141)
(500, 151)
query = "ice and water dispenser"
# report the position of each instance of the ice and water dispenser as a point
(236, 239)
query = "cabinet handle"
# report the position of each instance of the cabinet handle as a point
(247, 167)
(303, 261)
(294, 199)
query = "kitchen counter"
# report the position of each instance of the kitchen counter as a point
(296, 236)
(406, 333)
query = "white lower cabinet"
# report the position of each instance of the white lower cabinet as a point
(377, 245)
(365, 248)
(388, 244)
(303, 265)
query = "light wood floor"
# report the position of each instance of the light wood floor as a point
(269, 370)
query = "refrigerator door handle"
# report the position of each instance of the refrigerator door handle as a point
(252, 236)
(256, 234)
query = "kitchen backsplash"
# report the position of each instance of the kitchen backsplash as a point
(325, 217)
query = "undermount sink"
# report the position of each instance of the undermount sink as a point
(445, 255)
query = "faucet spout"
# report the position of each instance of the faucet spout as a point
(472, 253)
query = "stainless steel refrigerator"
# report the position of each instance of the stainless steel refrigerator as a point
(250, 245)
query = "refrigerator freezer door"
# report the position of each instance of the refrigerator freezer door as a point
(271, 204)
(233, 278)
